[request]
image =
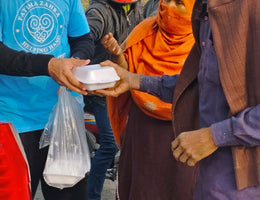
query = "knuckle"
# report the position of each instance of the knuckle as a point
(189, 153)
(191, 162)
(175, 154)
(183, 158)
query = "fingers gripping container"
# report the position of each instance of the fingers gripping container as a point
(96, 77)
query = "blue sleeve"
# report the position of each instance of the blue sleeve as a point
(78, 24)
(242, 129)
(161, 87)
(1, 36)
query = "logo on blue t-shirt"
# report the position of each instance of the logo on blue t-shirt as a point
(38, 26)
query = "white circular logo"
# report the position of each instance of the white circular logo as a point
(38, 26)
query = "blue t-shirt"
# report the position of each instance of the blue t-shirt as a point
(37, 26)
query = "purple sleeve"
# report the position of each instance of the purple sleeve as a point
(161, 87)
(242, 129)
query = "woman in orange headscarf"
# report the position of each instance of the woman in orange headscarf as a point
(141, 122)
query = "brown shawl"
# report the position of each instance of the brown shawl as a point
(236, 32)
(239, 52)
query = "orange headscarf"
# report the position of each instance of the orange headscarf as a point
(159, 45)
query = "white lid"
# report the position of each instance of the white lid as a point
(92, 74)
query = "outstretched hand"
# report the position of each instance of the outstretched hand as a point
(190, 147)
(111, 44)
(61, 70)
(117, 56)
(127, 81)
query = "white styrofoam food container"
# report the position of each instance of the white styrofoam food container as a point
(96, 77)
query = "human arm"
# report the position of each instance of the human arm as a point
(117, 56)
(241, 129)
(20, 63)
(192, 146)
(82, 47)
(162, 87)
(96, 23)
(61, 70)
(128, 81)
(100, 23)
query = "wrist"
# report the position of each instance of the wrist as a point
(135, 81)
(51, 64)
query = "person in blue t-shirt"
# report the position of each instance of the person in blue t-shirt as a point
(42, 36)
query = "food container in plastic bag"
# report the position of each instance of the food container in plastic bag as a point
(66, 177)
(68, 158)
(96, 77)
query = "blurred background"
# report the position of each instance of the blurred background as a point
(85, 3)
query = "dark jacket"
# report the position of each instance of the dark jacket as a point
(20, 63)
(105, 16)
(151, 8)
(236, 31)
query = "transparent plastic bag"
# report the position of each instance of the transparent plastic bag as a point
(47, 132)
(68, 157)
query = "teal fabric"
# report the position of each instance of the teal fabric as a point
(38, 27)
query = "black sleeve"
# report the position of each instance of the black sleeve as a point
(20, 63)
(82, 47)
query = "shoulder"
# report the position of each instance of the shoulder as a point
(100, 7)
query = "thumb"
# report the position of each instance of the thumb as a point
(104, 39)
(78, 62)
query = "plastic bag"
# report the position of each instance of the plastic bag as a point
(47, 132)
(68, 157)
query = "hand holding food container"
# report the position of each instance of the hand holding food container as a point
(120, 79)
(96, 77)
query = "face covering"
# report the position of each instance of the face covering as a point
(173, 21)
